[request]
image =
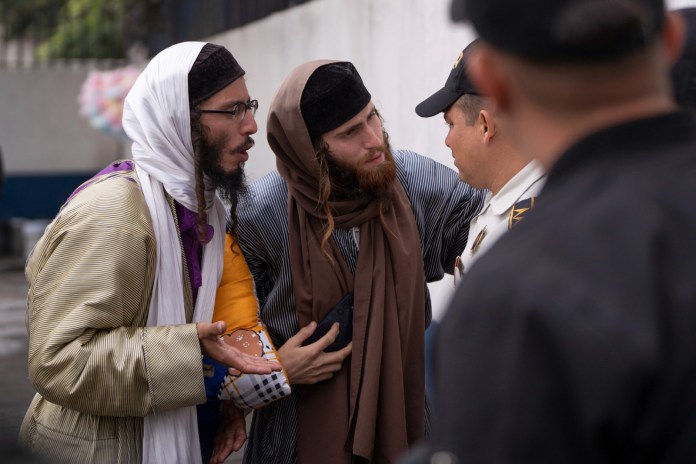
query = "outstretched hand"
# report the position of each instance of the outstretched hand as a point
(310, 364)
(214, 347)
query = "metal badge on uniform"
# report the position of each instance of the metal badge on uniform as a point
(477, 241)
(519, 211)
(458, 270)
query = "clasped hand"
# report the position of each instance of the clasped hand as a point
(310, 364)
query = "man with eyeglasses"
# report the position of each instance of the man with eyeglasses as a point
(122, 284)
(347, 230)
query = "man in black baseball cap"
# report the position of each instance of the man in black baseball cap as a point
(485, 159)
(588, 354)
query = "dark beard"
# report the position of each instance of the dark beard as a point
(230, 185)
(349, 182)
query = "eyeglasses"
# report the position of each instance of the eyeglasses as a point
(238, 111)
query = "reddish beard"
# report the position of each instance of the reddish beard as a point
(352, 180)
(380, 178)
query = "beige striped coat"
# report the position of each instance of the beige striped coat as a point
(96, 368)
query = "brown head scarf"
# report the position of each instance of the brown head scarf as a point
(374, 407)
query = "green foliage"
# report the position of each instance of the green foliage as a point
(67, 28)
(21, 18)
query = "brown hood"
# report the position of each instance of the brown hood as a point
(374, 407)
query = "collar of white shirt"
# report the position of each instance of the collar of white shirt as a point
(516, 187)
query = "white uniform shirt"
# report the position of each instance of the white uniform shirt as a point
(495, 218)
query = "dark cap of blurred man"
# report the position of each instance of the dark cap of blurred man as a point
(684, 70)
(566, 61)
(588, 354)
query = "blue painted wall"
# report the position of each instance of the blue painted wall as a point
(37, 196)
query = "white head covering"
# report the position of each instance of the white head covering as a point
(156, 117)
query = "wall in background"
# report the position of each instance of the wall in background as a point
(403, 49)
(47, 147)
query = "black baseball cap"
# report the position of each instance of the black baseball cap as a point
(457, 84)
(545, 30)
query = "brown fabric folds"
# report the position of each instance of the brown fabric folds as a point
(374, 407)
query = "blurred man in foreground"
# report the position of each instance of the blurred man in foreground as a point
(587, 354)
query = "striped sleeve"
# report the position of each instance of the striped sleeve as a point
(443, 206)
(90, 284)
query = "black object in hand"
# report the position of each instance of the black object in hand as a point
(342, 313)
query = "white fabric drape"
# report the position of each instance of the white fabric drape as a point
(156, 117)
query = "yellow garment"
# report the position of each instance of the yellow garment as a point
(235, 302)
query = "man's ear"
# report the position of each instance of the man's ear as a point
(488, 77)
(673, 35)
(488, 126)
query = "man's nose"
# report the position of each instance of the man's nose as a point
(248, 124)
(374, 138)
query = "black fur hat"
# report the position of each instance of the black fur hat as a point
(334, 93)
(214, 69)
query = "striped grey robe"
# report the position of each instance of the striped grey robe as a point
(442, 205)
(96, 368)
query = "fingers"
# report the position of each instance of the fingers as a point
(325, 365)
(224, 449)
(252, 364)
(231, 433)
(239, 439)
(321, 344)
(217, 457)
(304, 333)
(329, 338)
(321, 377)
(345, 351)
(235, 359)
(210, 329)
(310, 364)
(219, 328)
(325, 372)
(332, 365)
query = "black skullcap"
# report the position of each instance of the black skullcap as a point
(684, 70)
(564, 30)
(214, 69)
(457, 84)
(334, 93)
